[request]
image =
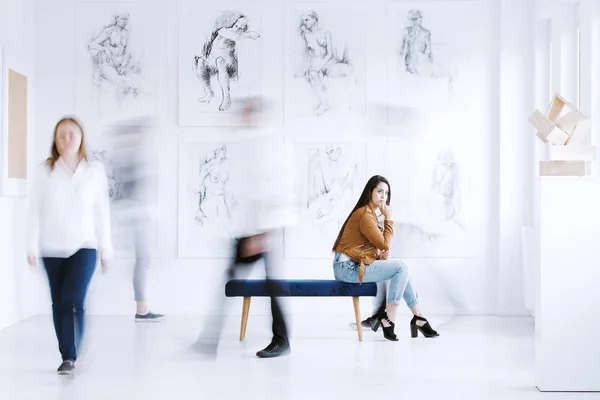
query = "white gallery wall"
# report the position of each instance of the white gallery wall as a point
(20, 288)
(467, 121)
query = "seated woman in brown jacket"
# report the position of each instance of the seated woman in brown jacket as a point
(362, 254)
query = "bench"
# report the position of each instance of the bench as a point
(298, 288)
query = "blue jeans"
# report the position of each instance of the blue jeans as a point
(69, 279)
(379, 271)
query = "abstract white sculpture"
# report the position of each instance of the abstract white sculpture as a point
(568, 131)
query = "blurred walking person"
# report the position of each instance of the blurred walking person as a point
(134, 177)
(69, 228)
(265, 205)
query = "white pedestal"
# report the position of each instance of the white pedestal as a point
(567, 315)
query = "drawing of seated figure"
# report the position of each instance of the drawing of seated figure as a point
(320, 59)
(112, 60)
(332, 179)
(445, 186)
(219, 56)
(213, 201)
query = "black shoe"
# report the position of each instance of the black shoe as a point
(426, 330)
(370, 322)
(388, 332)
(66, 367)
(149, 317)
(274, 350)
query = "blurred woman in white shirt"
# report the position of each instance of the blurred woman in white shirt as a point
(69, 225)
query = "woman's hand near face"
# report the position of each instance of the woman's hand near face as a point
(386, 211)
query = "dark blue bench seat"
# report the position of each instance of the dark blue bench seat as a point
(298, 288)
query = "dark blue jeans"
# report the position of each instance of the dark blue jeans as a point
(69, 279)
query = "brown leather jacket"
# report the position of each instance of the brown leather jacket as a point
(362, 239)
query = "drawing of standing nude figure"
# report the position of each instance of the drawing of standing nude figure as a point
(416, 44)
(112, 60)
(214, 200)
(219, 56)
(446, 186)
(416, 49)
(320, 59)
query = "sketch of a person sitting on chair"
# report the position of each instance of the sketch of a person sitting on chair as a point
(219, 56)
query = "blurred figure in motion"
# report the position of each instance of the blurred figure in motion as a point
(133, 177)
(264, 190)
(69, 223)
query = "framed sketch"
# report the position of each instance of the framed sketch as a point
(325, 61)
(220, 61)
(117, 51)
(207, 197)
(17, 121)
(429, 50)
(331, 177)
(430, 198)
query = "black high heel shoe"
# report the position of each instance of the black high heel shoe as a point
(426, 330)
(388, 332)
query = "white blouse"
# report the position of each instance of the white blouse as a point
(69, 211)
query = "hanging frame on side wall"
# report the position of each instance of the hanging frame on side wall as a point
(16, 123)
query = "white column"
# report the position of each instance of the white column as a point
(593, 10)
(564, 68)
(516, 147)
(542, 80)
(588, 51)
(542, 97)
(585, 55)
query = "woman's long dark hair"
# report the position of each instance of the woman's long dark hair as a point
(364, 199)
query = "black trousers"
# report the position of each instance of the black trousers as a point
(279, 326)
(238, 269)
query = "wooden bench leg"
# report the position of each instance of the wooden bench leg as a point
(357, 316)
(245, 310)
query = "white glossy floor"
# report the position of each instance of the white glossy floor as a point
(475, 358)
